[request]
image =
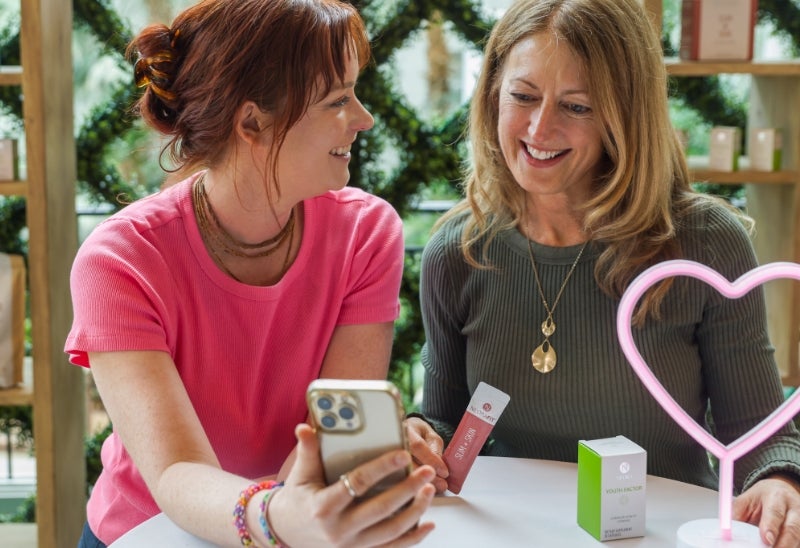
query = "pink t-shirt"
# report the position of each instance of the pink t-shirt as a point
(143, 280)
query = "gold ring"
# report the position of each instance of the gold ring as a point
(348, 486)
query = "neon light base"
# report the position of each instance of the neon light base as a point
(706, 533)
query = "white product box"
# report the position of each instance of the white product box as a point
(8, 159)
(724, 148)
(612, 476)
(717, 29)
(766, 149)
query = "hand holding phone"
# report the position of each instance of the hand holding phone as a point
(356, 421)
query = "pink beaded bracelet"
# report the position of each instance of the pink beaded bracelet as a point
(240, 510)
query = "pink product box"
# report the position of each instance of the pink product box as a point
(717, 30)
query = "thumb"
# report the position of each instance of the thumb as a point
(307, 467)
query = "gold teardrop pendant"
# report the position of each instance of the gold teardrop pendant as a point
(544, 357)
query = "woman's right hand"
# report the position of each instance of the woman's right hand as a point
(306, 512)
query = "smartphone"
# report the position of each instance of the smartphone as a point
(356, 421)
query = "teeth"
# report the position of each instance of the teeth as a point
(541, 154)
(341, 151)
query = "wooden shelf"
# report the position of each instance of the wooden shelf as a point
(19, 395)
(13, 188)
(679, 67)
(698, 166)
(10, 76)
(22, 394)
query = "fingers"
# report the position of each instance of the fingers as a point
(780, 527)
(426, 448)
(774, 505)
(307, 467)
(393, 516)
(386, 517)
(365, 477)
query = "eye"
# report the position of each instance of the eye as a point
(522, 97)
(342, 101)
(580, 110)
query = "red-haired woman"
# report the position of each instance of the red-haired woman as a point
(205, 310)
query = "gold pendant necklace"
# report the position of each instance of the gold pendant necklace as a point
(543, 358)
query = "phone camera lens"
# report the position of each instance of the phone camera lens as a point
(328, 420)
(347, 413)
(324, 403)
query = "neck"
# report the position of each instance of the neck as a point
(555, 224)
(245, 211)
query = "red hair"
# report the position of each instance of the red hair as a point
(220, 53)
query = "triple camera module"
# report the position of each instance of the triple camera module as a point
(337, 410)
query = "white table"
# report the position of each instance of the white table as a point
(509, 502)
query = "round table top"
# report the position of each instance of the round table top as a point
(509, 502)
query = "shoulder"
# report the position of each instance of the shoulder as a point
(717, 235)
(148, 213)
(445, 242)
(138, 229)
(358, 206)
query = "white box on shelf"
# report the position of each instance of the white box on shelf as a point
(766, 149)
(717, 29)
(724, 148)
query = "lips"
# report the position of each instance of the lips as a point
(543, 155)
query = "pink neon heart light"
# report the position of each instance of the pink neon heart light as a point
(726, 454)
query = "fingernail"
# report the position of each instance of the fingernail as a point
(402, 458)
(770, 538)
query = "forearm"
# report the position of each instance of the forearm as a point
(200, 498)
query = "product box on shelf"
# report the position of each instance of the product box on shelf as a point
(724, 148)
(612, 476)
(717, 30)
(12, 319)
(765, 149)
(8, 160)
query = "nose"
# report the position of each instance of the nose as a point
(363, 118)
(542, 121)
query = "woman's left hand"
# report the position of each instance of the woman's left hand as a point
(426, 447)
(773, 504)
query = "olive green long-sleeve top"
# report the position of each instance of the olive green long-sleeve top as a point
(708, 351)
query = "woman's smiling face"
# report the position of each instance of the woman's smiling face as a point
(316, 152)
(548, 132)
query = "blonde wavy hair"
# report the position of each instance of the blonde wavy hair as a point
(644, 189)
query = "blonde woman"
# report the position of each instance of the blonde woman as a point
(577, 184)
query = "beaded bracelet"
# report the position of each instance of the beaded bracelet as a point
(272, 539)
(240, 510)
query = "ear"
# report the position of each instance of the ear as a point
(251, 122)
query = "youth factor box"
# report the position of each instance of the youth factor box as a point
(612, 474)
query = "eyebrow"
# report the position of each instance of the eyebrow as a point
(567, 92)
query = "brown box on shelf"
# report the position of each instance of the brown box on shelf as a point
(8, 160)
(717, 30)
(12, 319)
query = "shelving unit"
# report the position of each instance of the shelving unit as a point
(773, 198)
(57, 390)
